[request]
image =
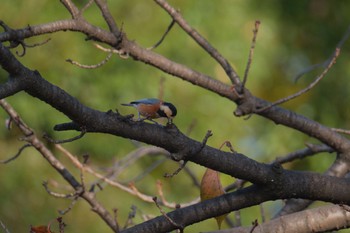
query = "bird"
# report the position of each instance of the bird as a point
(152, 108)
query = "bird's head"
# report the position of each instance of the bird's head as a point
(167, 110)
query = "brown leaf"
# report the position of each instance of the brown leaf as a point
(211, 187)
(40, 229)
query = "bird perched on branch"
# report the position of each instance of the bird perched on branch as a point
(152, 108)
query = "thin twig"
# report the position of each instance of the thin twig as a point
(82, 133)
(326, 62)
(251, 53)
(131, 189)
(255, 224)
(71, 7)
(164, 35)
(160, 190)
(58, 195)
(177, 171)
(314, 83)
(102, 4)
(70, 207)
(61, 224)
(122, 54)
(177, 17)
(344, 131)
(131, 216)
(56, 164)
(38, 44)
(15, 118)
(16, 155)
(95, 66)
(229, 145)
(166, 216)
(87, 5)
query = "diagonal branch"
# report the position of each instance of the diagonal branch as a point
(231, 73)
(313, 84)
(171, 139)
(102, 4)
(251, 53)
(245, 106)
(60, 168)
(73, 10)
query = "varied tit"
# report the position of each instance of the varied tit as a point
(154, 108)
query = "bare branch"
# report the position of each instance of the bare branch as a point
(102, 4)
(344, 131)
(322, 219)
(131, 190)
(326, 62)
(299, 93)
(87, 5)
(60, 168)
(73, 10)
(164, 35)
(82, 133)
(166, 216)
(251, 53)
(58, 195)
(303, 153)
(16, 155)
(254, 225)
(70, 207)
(231, 73)
(109, 55)
(182, 165)
(131, 216)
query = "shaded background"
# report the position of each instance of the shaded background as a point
(293, 36)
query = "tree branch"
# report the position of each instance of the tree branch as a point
(59, 167)
(322, 219)
(231, 73)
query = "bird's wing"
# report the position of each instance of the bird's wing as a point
(146, 101)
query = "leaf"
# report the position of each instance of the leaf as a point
(211, 187)
(40, 229)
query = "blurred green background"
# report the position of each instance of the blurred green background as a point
(293, 35)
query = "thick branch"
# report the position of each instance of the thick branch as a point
(247, 105)
(322, 219)
(182, 147)
(243, 198)
(61, 25)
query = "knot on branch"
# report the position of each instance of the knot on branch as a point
(246, 104)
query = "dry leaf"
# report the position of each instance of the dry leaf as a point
(40, 229)
(211, 187)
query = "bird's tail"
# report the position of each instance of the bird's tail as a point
(127, 104)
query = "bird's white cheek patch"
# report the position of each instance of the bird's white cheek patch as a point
(166, 110)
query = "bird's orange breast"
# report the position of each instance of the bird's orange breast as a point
(148, 110)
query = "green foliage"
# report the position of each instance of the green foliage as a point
(293, 35)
